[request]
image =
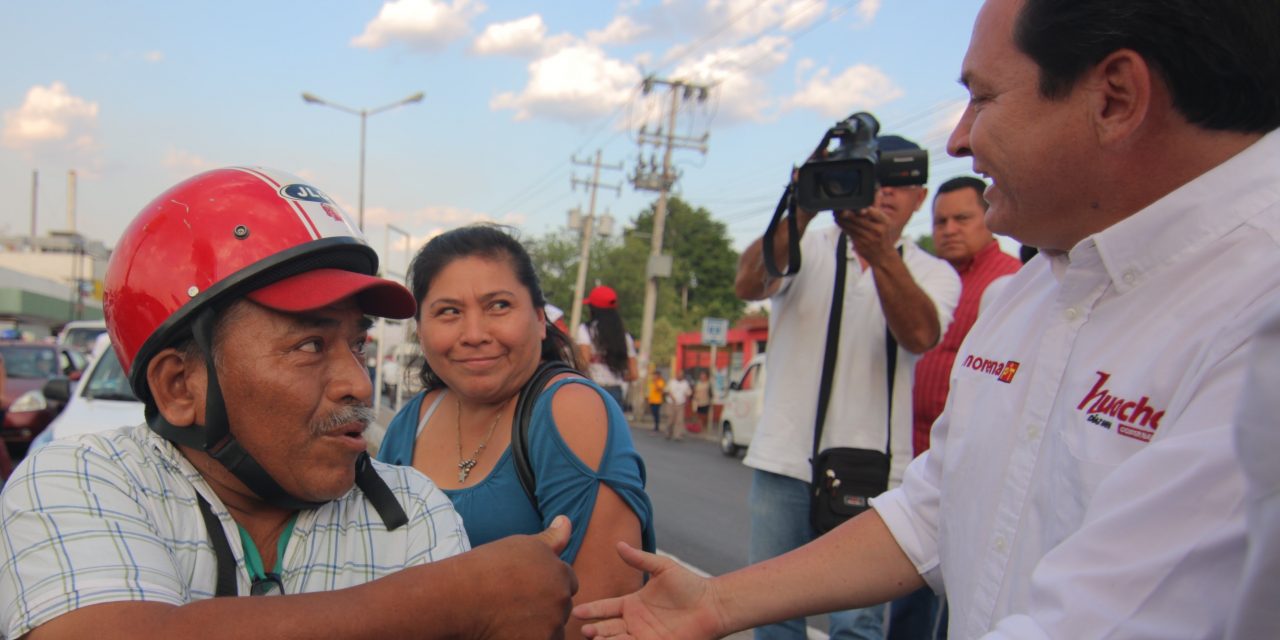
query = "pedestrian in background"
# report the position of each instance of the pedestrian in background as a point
(678, 393)
(656, 392)
(605, 345)
(702, 396)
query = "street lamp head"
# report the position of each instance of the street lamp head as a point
(417, 97)
(311, 98)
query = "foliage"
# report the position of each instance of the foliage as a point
(701, 284)
(926, 242)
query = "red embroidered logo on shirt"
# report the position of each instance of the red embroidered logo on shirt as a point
(1138, 420)
(1003, 371)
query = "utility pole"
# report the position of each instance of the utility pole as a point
(35, 193)
(653, 180)
(585, 224)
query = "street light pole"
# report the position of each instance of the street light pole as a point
(364, 117)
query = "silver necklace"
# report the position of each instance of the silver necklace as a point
(465, 465)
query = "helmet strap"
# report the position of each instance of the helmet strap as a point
(218, 440)
(215, 438)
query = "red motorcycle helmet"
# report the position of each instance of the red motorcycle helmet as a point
(231, 233)
(224, 235)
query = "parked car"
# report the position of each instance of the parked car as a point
(102, 400)
(81, 334)
(743, 404)
(29, 365)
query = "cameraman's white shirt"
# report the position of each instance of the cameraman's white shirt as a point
(1093, 490)
(783, 441)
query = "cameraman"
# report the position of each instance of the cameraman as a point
(889, 281)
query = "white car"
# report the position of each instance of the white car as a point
(743, 405)
(82, 334)
(102, 400)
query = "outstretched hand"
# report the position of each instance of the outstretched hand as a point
(675, 604)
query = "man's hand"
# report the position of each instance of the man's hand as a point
(674, 604)
(871, 231)
(532, 588)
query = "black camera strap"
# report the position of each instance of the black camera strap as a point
(833, 343)
(786, 207)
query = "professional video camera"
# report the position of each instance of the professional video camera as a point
(843, 175)
(846, 176)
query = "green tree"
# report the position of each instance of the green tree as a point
(926, 242)
(701, 284)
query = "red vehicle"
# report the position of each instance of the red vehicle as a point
(28, 366)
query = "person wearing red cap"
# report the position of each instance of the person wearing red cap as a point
(605, 345)
(238, 303)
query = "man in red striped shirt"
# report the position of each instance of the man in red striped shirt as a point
(961, 237)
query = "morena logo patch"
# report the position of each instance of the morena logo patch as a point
(1004, 371)
(304, 192)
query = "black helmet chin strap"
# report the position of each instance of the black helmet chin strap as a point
(215, 439)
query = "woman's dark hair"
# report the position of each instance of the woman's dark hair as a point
(493, 242)
(609, 338)
(1217, 57)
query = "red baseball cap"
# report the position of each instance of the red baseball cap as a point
(322, 287)
(603, 297)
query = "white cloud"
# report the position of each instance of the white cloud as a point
(518, 37)
(745, 18)
(524, 37)
(866, 11)
(736, 74)
(429, 25)
(50, 118)
(621, 30)
(153, 56)
(860, 87)
(577, 81)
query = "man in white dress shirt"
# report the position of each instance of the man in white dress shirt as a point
(1082, 480)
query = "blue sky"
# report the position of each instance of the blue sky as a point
(138, 95)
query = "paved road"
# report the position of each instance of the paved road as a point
(699, 499)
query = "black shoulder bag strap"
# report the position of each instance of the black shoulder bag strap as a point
(520, 424)
(829, 357)
(891, 368)
(367, 478)
(833, 341)
(226, 585)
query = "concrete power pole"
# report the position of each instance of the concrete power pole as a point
(71, 201)
(652, 180)
(35, 194)
(586, 225)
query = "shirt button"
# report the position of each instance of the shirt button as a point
(1129, 277)
(1033, 432)
(1071, 314)
(1000, 543)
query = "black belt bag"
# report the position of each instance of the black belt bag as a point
(845, 479)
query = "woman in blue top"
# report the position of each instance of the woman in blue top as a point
(483, 333)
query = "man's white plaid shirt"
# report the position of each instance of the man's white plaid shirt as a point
(114, 517)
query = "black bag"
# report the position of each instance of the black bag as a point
(845, 479)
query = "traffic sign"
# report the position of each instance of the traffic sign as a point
(715, 331)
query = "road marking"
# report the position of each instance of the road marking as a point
(813, 634)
